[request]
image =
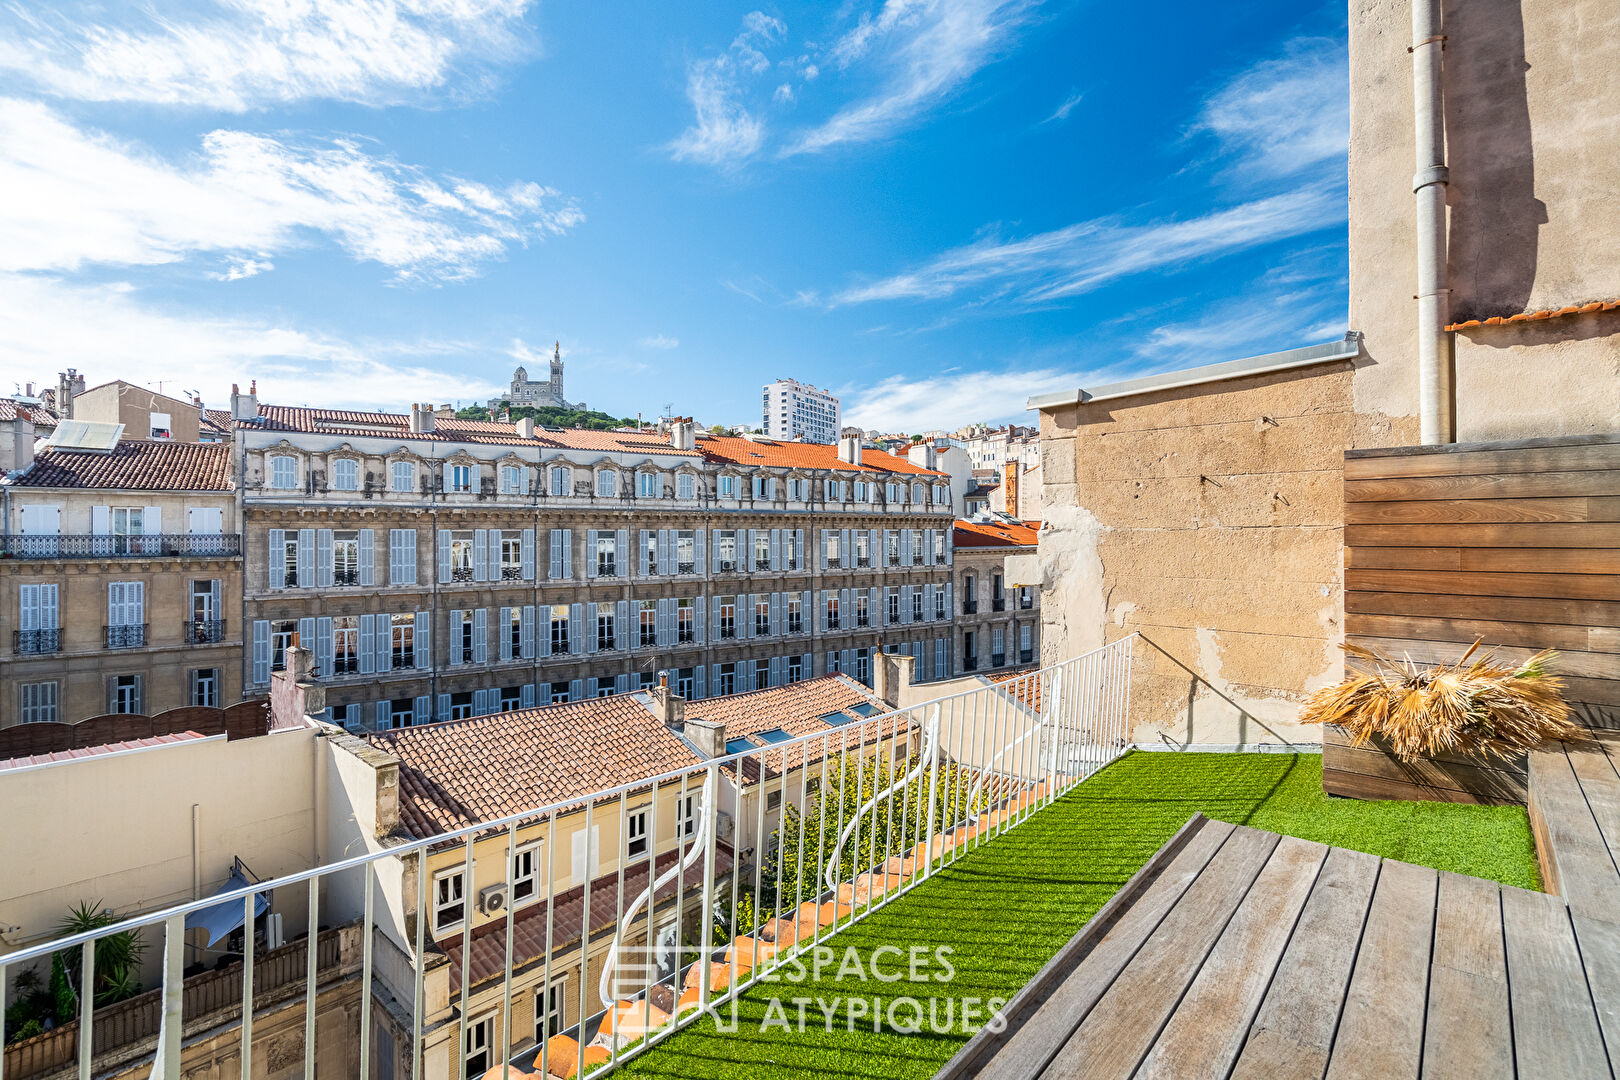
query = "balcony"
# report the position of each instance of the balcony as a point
(998, 604)
(205, 631)
(345, 664)
(131, 636)
(998, 659)
(834, 563)
(970, 607)
(686, 568)
(461, 573)
(1026, 656)
(862, 619)
(862, 562)
(109, 546)
(970, 663)
(762, 564)
(795, 625)
(344, 577)
(36, 642)
(511, 573)
(1026, 601)
(607, 569)
(404, 658)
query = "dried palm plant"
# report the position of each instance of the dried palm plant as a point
(1477, 707)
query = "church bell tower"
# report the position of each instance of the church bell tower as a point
(557, 373)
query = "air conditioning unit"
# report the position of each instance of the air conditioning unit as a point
(492, 899)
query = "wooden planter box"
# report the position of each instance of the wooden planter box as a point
(1372, 772)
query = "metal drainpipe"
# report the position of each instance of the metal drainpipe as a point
(1436, 401)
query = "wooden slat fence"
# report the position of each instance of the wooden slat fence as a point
(1514, 542)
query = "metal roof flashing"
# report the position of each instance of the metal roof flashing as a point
(1346, 349)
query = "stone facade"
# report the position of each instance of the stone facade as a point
(989, 613)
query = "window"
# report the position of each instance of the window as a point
(511, 636)
(916, 605)
(559, 629)
(38, 703)
(728, 617)
(685, 486)
(345, 475)
(939, 601)
(726, 683)
(646, 485)
(916, 547)
(998, 647)
(941, 493)
(346, 557)
(461, 555)
(604, 626)
(773, 801)
(939, 545)
(891, 493)
(795, 614)
(604, 686)
(459, 478)
(559, 480)
(525, 883)
(863, 548)
(511, 698)
(449, 899)
(685, 626)
(511, 480)
(126, 614)
(863, 614)
(861, 488)
(558, 692)
(725, 549)
(480, 1043)
(831, 539)
(648, 622)
(160, 426)
(728, 487)
(205, 687)
(683, 682)
(511, 555)
(126, 694)
(649, 553)
(402, 476)
(762, 549)
(892, 540)
(461, 637)
(762, 615)
(39, 629)
(635, 833)
(686, 552)
(764, 487)
(832, 611)
(401, 712)
(830, 490)
(283, 472)
(916, 493)
(685, 815)
(281, 637)
(549, 1010)
(607, 564)
(795, 669)
(891, 604)
(402, 640)
(607, 484)
(461, 705)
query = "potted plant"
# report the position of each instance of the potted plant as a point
(1457, 732)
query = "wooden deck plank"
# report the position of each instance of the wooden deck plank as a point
(1381, 1029)
(1293, 1031)
(1555, 1028)
(1599, 942)
(1576, 862)
(1468, 1031)
(1040, 1031)
(1207, 1031)
(1120, 1029)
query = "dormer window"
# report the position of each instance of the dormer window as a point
(345, 475)
(458, 478)
(728, 487)
(512, 480)
(892, 492)
(402, 476)
(559, 480)
(764, 488)
(685, 486)
(916, 493)
(646, 485)
(284, 473)
(607, 484)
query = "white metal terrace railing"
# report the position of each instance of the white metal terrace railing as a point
(744, 861)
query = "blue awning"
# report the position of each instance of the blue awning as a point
(222, 919)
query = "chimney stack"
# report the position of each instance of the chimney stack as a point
(849, 445)
(525, 428)
(923, 454)
(444, 412)
(421, 418)
(682, 433)
(245, 406)
(68, 383)
(667, 705)
(295, 695)
(708, 737)
(1011, 489)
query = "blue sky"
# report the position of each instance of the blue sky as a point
(933, 207)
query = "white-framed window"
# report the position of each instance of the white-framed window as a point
(283, 472)
(891, 492)
(607, 484)
(686, 815)
(942, 493)
(635, 833)
(685, 486)
(764, 487)
(161, 426)
(511, 480)
(125, 695)
(795, 669)
(862, 491)
(480, 1045)
(549, 1009)
(646, 485)
(459, 478)
(401, 712)
(830, 490)
(559, 476)
(38, 703)
(449, 898)
(525, 882)
(728, 487)
(205, 687)
(345, 475)
(402, 476)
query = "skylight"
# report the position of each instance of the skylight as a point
(835, 719)
(863, 709)
(738, 746)
(775, 735)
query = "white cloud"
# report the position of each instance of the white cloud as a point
(76, 197)
(898, 403)
(1284, 114)
(237, 55)
(659, 341)
(1077, 258)
(783, 93)
(1062, 112)
(724, 131)
(1244, 326)
(107, 331)
(244, 268)
(926, 50)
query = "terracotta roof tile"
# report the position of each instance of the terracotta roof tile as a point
(1537, 316)
(796, 709)
(776, 454)
(96, 751)
(972, 534)
(134, 465)
(37, 414)
(1026, 690)
(217, 419)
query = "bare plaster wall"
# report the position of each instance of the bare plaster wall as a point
(1533, 143)
(1209, 520)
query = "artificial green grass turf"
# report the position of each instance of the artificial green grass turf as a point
(1005, 908)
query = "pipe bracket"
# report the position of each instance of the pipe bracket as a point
(1434, 174)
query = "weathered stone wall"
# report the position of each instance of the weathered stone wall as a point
(1208, 519)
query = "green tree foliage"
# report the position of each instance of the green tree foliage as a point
(547, 416)
(36, 1008)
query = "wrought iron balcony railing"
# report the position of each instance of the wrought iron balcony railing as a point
(129, 636)
(36, 642)
(205, 631)
(970, 607)
(111, 546)
(947, 777)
